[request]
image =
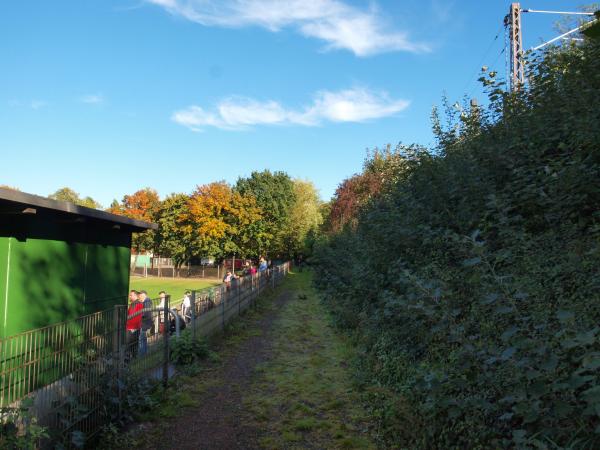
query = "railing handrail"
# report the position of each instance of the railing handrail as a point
(58, 324)
(207, 289)
(52, 362)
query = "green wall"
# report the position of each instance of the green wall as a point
(45, 279)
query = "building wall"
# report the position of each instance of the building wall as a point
(60, 274)
(143, 260)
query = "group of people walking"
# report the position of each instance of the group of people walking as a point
(139, 322)
(250, 269)
(145, 320)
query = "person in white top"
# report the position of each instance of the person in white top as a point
(160, 319)
(228, 278)
(186, 306)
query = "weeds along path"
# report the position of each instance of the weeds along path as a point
(303, 397)
(282, 382)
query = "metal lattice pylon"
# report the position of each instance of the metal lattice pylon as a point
(513, 22)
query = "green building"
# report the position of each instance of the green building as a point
(59, 261)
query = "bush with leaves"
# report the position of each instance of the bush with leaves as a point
(470, 282)
(19, 428)
(123, 395)
(186, 350)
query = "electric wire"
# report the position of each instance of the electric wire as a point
(491, 67)
(506, 56)
(483, 58)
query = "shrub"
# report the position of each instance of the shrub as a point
(186, 350)
(19, 428)
(470, 282)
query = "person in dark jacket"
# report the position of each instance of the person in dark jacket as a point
(147, 321)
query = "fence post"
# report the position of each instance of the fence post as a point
(165, 374)
(251, 297)
(239, 286)
(223, 297)
(116, 324)
(273, 277)
(193, 316)
(177, 324)
(118, 353)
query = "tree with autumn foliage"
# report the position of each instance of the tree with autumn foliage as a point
(142, 205)
(221, 221)
(247, 233)
(381, 167)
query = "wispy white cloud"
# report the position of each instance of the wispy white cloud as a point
(37, 104)
(340, 25)
(33, 104)
(443, 11)
(240, 113)
(92, 99)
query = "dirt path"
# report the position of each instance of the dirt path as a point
(218, 422)
(283, 382)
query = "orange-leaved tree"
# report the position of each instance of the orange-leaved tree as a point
(142, 205)
(220, 219)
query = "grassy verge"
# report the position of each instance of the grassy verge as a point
(303, 397)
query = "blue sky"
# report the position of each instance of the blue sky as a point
(107, 97)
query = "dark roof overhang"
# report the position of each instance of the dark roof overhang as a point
(16, 202)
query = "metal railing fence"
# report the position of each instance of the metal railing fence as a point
(61, 367)
(185, 271)
(74, 371)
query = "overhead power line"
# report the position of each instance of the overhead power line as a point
(513, 23)
(483, 59)
(574, 30)
(558, 12)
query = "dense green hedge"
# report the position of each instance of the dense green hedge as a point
(472, 282)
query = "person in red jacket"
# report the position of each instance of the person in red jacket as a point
(134, 323)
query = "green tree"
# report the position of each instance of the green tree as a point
(69, 195)
(275, 196)
(305, 218)
(174, 239)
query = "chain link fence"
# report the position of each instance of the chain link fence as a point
(77, 373)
